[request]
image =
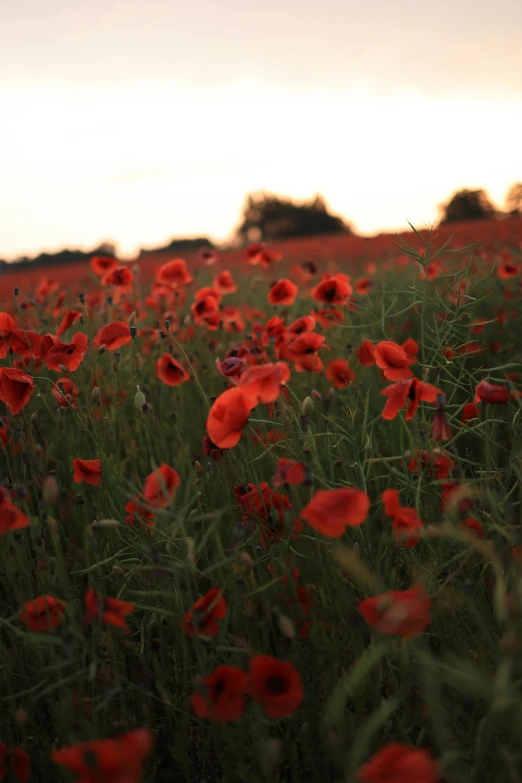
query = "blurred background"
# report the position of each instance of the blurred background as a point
(135, 121)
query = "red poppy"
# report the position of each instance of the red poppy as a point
(100, 265)
(66, 393)
(331, 511)
(221, 695)
(170, 371)
(412, 392)
(16, 387)
(118, 760)
(303, 352)
(398, 763)
(491, 394)
(288, 471)
(406, 522)
(113, 335)
(7, 327)
(205, 312)
(224, 283)
(16, 761)
(136, 512)
(276, 685)
(26, 343)
(43, 613)
(411, 347)
(431, 271)
(258, 255)
(120, 276)
(283, 292)
(333, 289)
(160, 486)
(363, 285)
(329, 317)
(201, 619)
(401, 612)
(304, 324)
(209, 257)
(231, 366)
(393, 361)
(470, 411)
(87, 471)
(11, 518)
(228, 416)
(68, 355)
(366, 353)
(70, 318)
(264, 382)
(111, 610)
(437, 465)
(340, 374)
(174, 273)
(473, 526)
(507, 270)
(441, 430)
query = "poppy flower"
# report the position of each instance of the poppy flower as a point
(507, 270)
(264, 382)
(258, 255)
(289, 471)
(473, 527)
(393, 361)
(401, 612)
(440, 429)
(411, 392)
(331, 511)
(364, 285)
(88, 471)
(11, 518)
(431, 271)
(303, 352)
(283, 292)
(436, 465)
(16, 761)
(16, 387)
(174, 273)
(329, 317)
(170, 371)
(118, 760)
(225, 283)
(406, 522)
(7, 327)
(333, 290)
(111, 610)
(100, 265)
(411, 347)
(275, 685)
(210, 257)
(222, 695)
(68, 355)
(70, 318)
(399, 763)
(228, 416)
(470, 411)
(136, 512)
(119, 276)
(113, 335)
(160, 486)
(205, 312)
(491, 394)
(231, 366)
(340, 374)
(201, 619)
(43, 613)
(366, 353)
(304, 324)
(66, 393)
(24, 342)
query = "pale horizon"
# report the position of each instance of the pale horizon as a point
(136, 122)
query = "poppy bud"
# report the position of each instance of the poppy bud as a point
(105, 523)
(117, 571)
(198, 468)
(101, 350)
(286, 626)
(133, 331)
(50, 491)
(21, 717)
(34, 418)
(63, 368)
(52, 524)
(16, 291)
(95, 394)
(139, 399)
(132, 318)
(308, 406)
(315, 394)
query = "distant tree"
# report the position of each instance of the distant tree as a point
(467, 205)
(180, 246)
(514, 200)
(267, 216)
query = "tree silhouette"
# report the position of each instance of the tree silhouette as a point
(467, 205)
(514, 200)
(266, 216)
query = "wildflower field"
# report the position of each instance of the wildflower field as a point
(260, 514)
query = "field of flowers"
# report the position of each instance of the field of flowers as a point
(260, 514)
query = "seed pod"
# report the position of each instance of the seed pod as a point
(133, 331)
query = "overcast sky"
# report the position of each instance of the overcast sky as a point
(139, 120)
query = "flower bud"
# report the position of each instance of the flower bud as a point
(139, 399)
(132, 318)
(16, 291)
(50, 491)
(308, 406)
(95, 395)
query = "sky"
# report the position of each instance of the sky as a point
(135, 121)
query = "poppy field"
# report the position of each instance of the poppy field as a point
(260, 514)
